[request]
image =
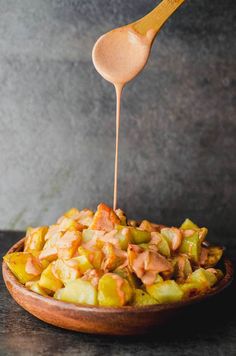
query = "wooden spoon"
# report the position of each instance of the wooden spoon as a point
(155, 19)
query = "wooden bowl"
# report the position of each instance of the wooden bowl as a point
(99, 320)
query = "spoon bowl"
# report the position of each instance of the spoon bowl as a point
(127, 320)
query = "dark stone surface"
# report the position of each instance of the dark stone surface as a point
(208, 329)
(57, 120)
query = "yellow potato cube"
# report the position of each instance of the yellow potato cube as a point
(18, 262)
(114, 291)
(78, 292)
(68, 244)
(48, 279)
(35, 238)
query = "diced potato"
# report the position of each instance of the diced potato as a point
(173, 236)
(35, 287)
(142, 298)
(67, 224)
(132, 223)
(49, 251)
(189, 290)
(104, 219)
(64, 271)
(48, 279)
(148, 226)
(140, 236)
(17, 263)
(82, 263)
(191, 246)
(202, 278)
(95, 256)
(121, 215)
(114, 291)
(78, 292)
(87, 235)
(35, 238)
(189, 225)
(165, 292)
(68, 244)
(72, 213)
(113, 257)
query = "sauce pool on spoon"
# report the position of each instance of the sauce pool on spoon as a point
(119, 56)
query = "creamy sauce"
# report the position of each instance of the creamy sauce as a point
(119, 56)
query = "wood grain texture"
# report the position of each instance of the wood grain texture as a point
(99, 320)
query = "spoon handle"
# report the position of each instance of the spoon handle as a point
(155, 19)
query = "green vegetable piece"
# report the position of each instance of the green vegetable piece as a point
(165, 292)
(142, 298)
(140, 236)
(78, 292)
(114, 291)
(202, 278)
(129, 276)
(163, 247)
(191, 246)
(188, 225)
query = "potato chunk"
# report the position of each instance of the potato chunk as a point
(104, 219)
(114, 291)
(35, 287)
(48, 279)
(142, 298)
(68, 244)
(78, 292)
(202, 278)
(21, 263)
(165, 292)
(35, 238)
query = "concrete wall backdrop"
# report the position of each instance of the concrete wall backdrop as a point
(57, 115)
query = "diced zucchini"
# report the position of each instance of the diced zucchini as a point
(188, 225)
(140, 236)
(191, 246)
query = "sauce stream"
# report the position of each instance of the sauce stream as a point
(119, 56)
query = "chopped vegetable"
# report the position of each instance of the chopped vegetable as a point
(104, 259)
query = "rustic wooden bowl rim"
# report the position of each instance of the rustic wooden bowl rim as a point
(70, 307)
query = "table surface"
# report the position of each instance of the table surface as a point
(209, 330)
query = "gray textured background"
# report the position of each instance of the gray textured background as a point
(57, 115)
